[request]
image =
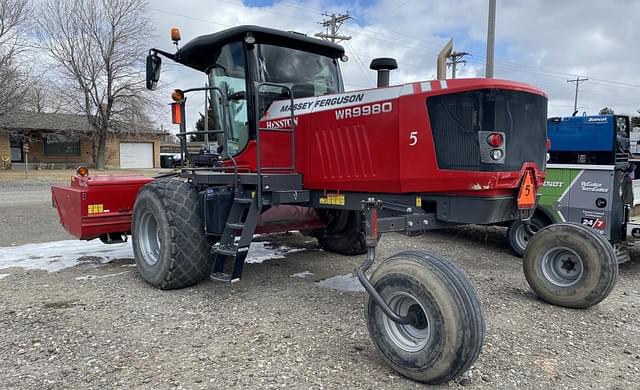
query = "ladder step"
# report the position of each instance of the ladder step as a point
(222, 277)
(228, 251)
(243, 200)
(235, 226)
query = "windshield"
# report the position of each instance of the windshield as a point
(307, 74)
(228, 74)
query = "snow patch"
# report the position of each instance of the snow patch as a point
(347, 283)
(262, 251)
(57, 255)
(302, 274)
(2, 276)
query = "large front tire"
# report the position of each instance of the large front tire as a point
(170, 246)
(449, 337)
(570, 265)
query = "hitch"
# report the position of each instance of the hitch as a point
(371, 212)
(525, 217)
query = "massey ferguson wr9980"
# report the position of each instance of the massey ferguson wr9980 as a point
(347, 166)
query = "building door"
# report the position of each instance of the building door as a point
(16, 150)
(136, 155)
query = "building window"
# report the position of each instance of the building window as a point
(61, 145)
(16, 149)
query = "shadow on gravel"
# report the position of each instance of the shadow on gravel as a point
(491, 237)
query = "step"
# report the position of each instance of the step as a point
(235, 226)
(227, 251)
(222, 277)
(243, 200)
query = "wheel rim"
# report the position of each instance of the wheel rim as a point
(408, 337)
(149, 237)
(522, 237)
(562, 266)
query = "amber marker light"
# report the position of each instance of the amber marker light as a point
(175, 34)
(177, 95)
(82, 171)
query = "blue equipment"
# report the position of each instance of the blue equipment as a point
(596, 139)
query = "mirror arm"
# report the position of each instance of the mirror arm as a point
(163, 53)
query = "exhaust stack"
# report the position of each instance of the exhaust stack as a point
(383, 66)
(442, 60)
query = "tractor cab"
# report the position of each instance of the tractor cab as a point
(246, 61)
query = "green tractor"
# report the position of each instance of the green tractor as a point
(588, 182)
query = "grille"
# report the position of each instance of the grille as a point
(457, 118)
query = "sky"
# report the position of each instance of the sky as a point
(542, 42)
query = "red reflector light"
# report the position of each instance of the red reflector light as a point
(176, 113)
(495, 139)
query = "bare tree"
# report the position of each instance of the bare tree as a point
(98, 48)
(44, 96)
(14, 16)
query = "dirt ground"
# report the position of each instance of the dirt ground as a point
(102, 326)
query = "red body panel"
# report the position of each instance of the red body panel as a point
(79, 207)
(117, 195)
(372, 153)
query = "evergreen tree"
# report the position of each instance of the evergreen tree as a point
(200, 126)
(606, 111)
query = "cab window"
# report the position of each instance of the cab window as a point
(307, 74)
(228, 74)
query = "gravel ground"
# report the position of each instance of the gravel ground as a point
(95, 326)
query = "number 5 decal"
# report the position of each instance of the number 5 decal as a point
(413, 138)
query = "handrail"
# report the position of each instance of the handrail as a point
(291, 129)
(183, 133)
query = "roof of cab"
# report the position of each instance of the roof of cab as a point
(197, 53)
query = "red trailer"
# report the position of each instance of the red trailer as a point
(346, 166)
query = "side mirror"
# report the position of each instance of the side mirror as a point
(154, 62)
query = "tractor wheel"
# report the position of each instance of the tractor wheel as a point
(450, 336)
(170, 246)
(570, 265)
(517, 235)
(344, 233)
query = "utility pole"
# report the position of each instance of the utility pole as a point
(578, 80)
(332, 25)
(491, 39)
(456, 58)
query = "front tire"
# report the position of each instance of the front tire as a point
(449, 337)
(170, 246)
(570, 265)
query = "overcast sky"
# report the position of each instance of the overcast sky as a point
(541, 42)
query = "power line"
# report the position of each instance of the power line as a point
(362, 68)
(502, 63)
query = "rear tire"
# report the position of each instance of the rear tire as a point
(517, 235)
(169, 243)
(453, 319)
(570, 265)
(345, 232)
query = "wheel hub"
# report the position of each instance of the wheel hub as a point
(522, 236)
(149, 236)
(412, 337)
(562, 266)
